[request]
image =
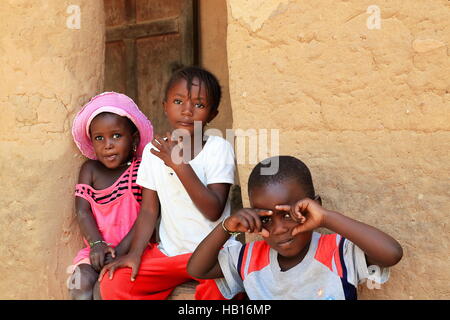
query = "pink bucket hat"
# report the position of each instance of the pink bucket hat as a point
(112, 102)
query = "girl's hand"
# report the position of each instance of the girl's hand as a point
(109, 258)
(130, 260)
(307, 212)
(98, 253)
(171, 152)
(120, 250)
(247, 220)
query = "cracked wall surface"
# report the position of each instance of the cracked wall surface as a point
(48, 71)
(367, 109)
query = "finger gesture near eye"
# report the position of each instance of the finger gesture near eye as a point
(204, 263)
(248, 220)
(308, 213)
(171, 152)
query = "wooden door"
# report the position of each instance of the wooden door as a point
(145, 41)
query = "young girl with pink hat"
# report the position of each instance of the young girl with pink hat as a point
(112, 132)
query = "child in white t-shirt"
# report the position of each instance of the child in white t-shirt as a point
(293, 261)
(185, 176)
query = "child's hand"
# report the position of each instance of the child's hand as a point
(247, 220)
(109, 258)
(129, 260)
(308, 213)
(171, 152)
(119, 250)
(98, 254)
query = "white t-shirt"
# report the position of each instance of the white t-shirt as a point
(183, 226)
(331, 270)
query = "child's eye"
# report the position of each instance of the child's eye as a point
(116, 136)
(287, 216)
(199, 105)
(177, 101)
(265, 220)
(98, 138)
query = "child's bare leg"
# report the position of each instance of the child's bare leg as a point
(83, 280)
(96, 291)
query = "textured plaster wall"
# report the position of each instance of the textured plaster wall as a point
(367, 110)
(47, 73)
(213, 54)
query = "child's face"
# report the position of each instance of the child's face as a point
(112, 139)
(280, 224)
(182, 110)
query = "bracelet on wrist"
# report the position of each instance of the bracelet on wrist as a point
(228, 231)
(93, 243)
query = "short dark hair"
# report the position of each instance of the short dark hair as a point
(212, 86)
(288, 168)
(130, 123)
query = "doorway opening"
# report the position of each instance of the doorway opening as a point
(147, 40)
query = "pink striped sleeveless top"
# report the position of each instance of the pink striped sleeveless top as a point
(115, 208)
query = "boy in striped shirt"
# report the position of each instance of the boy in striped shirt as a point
(293, 261)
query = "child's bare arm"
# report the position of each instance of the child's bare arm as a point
(86, 220)
(87, 223)
(380, 248)
(145, 222)
(210, 200)
(204, 263)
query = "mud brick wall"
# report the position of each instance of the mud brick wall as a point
(49, 69)
(367, 108)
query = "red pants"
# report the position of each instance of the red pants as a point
(157, 277)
